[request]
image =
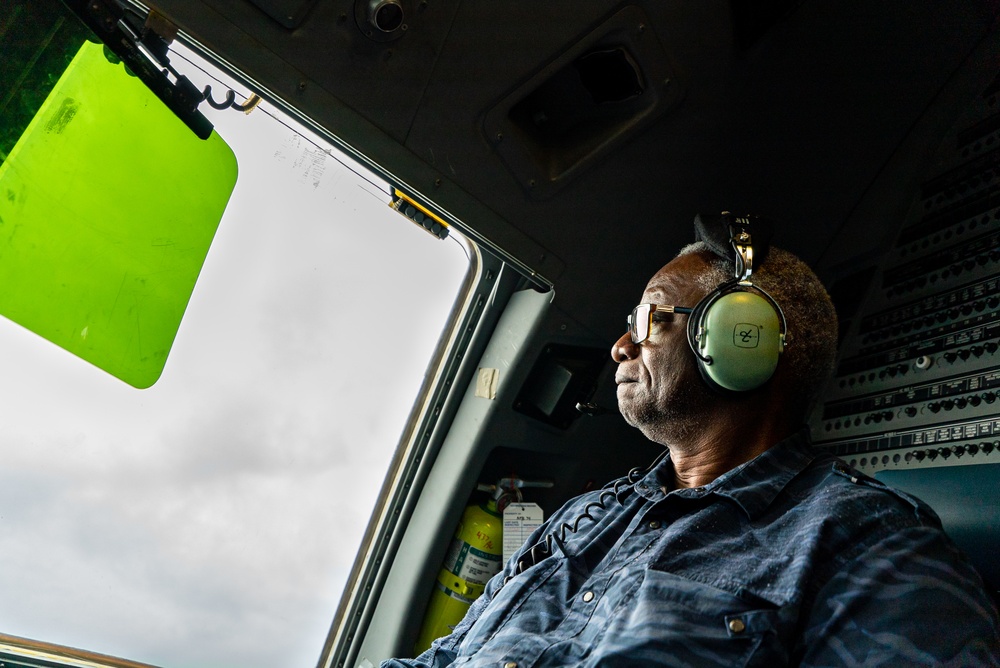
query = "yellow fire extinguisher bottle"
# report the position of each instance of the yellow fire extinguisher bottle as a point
(474, 557)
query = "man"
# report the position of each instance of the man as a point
(743, 546)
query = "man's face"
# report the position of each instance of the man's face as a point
(659, 388)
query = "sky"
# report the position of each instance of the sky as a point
(212, 519)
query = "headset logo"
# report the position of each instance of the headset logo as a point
(746, 335)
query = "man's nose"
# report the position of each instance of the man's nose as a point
(624, 349)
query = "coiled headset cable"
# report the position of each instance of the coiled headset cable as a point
(609, 493)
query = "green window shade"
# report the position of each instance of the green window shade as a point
(108, 206)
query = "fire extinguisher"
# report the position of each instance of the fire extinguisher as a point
(474, 557)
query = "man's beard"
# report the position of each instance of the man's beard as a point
(674, 417)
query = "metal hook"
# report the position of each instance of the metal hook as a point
(229, 101)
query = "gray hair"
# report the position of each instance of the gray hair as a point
(811, 339)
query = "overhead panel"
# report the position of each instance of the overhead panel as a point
(918, 381)
(916, 396)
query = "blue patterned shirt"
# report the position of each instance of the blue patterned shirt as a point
(789, 559)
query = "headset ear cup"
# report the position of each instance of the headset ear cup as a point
(697, 341)
(739, 338)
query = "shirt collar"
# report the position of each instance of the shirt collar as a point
(752, 485)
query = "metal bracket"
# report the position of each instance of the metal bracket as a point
(142, 45)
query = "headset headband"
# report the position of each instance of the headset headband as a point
(743, 240)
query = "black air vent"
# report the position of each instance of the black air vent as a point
(601, 91)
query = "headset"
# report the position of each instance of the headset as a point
(737, 331)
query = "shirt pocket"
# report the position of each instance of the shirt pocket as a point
(695, 624)
(511, 598)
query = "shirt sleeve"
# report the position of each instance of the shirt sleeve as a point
(910, 599)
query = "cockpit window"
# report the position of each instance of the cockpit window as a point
(213, 518)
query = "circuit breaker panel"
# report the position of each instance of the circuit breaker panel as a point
(918, 381)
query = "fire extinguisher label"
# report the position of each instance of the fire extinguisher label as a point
(471, 564)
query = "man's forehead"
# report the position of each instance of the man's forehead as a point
(666, 283)
(678, 277)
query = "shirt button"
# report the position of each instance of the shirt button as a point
(588, 597)
(737, 625)
(654, 524)
(510, 664)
